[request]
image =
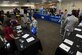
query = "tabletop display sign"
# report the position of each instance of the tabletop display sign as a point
(30, 39)
(77, 29)
(64, 47)
(78, 35)
(78, 53)
(25, 36)
(68, 42)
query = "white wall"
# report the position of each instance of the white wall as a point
(68, 4)
(7, 9)
(10, 7)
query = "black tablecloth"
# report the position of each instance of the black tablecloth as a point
(4, 49)
(28, 48)
(77, 45)
(1, 47)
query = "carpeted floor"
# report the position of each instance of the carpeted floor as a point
(48, 33)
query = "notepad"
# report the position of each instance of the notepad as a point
(78, 35)
(19, 31)
(78, 53)
(30, 39)
(64, 47)
(77, 29)
(68, 42)
(19, 27)
(25, 36)
(8, 44)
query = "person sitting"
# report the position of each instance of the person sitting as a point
(18, 16)
(1, 32)
(8, 14)
(14, 22)
(1, 36)
(8, 35)
(0, 25)
(1, 16)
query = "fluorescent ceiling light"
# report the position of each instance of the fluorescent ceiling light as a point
(31, 5)
(4, 4)
(26, 5)
(7, 5)
(14, 5)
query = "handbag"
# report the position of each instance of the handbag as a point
(33, 30)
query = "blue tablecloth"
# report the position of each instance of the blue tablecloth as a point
(55, 19)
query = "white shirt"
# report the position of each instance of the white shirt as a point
(34, 23)
(71, 22)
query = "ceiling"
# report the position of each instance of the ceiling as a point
(24, 1)
(12, 1)
(34, 1)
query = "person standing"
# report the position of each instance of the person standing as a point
(63, 17)
(26, 21)
(80, 16)
(70, 23)
(2, 16)
(33, 26)
(1, 32)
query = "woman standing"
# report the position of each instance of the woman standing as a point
(33, 26)
(2, 16)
